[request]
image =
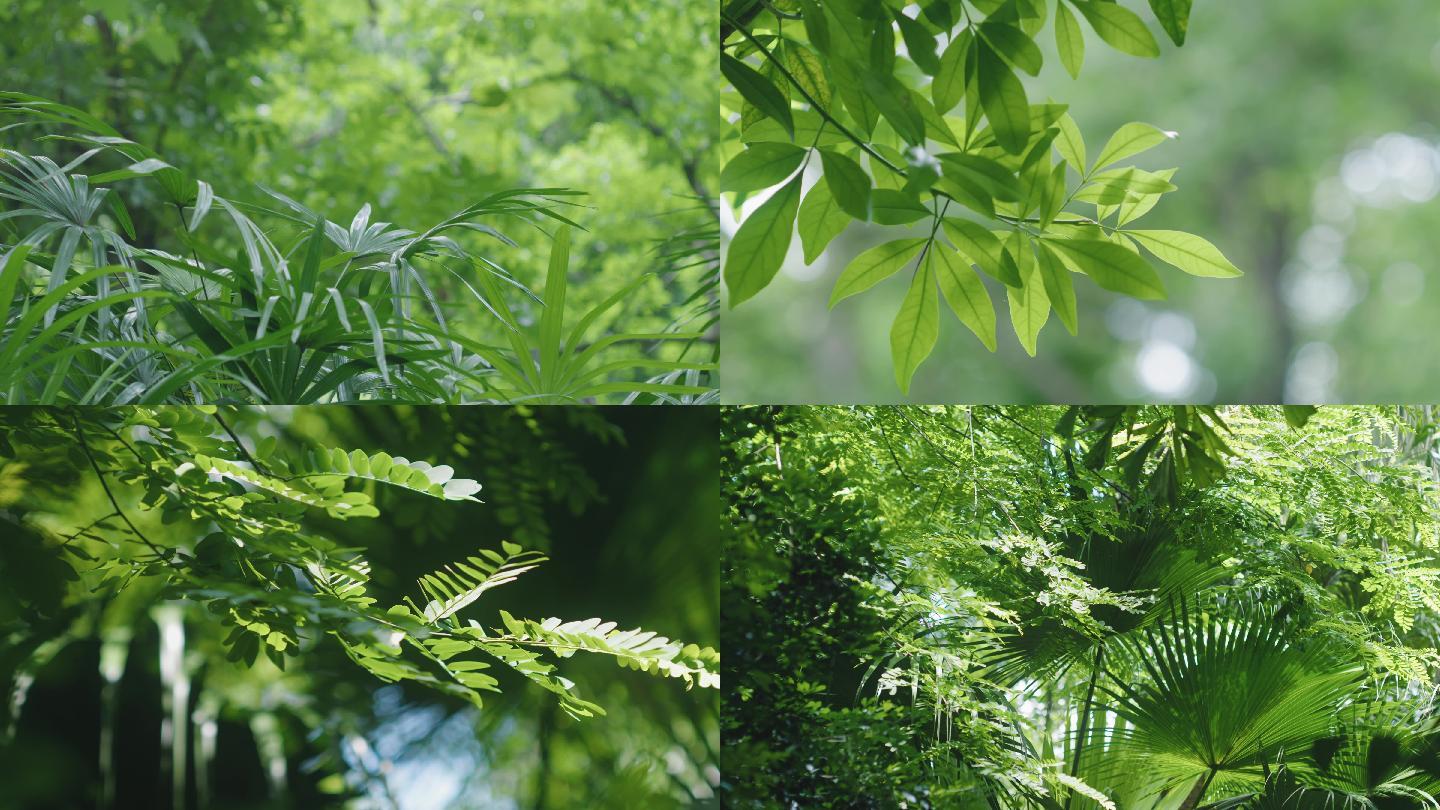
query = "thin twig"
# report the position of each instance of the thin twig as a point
(243, 451)
(85, 446)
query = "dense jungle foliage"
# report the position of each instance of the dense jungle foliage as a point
(293, 201)
(226, 607)
(1051, 607)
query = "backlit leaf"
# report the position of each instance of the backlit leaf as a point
(1111, 266)
(873, 266)
(916, 327)
(848, 183)
(761, 165)
(1003, 99)
(1069, 40)
(758, 90)
(1187, 252)
(1120, 27)
(1130, 140)
(820, 220)
(965, 292)
(761, 242)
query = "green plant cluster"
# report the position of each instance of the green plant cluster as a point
(1090, 607)
(921, 120)
(308, 310)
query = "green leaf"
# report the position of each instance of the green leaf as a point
(1187, 252)
(1174, 16)
(1298, 416)
(633, 649)
(760, 244)
(1052, 196)
(919, 43)
(141, 168)
(1120, 185)
(1059, 288)
(758, 90)
(1029, 306)
(1069, 41)
(1133, 209)
(848, 182)
(1013, 45)
(816, 27)
(12, 268)
(996, 180)
(310, 269)
(1070, 144)
(810, 129)
(761, 165)
(820, 221)
(1120, 27)
(893, 101)
(916, 327)
(874, 266)
(936, 126)
(965, 292)
(1003, 98)
(552, 318)
(949, 85)
(805, 66)
(1130, 140)
(981, 247)
(1111, 266)
(849, 84)
(453, 587)
(891, 207)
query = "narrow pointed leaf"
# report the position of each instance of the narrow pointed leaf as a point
(1187, 252)
(965, 292)
(916, 327)
(874, 266)
(760, 244)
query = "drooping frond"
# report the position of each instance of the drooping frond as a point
(419, 476)
(634, 649)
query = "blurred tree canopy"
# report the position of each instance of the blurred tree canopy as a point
(1312, 163)
(136, 600)
(419, 110)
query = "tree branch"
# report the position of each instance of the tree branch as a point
(89, 456)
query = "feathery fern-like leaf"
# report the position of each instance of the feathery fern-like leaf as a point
(453, 587)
